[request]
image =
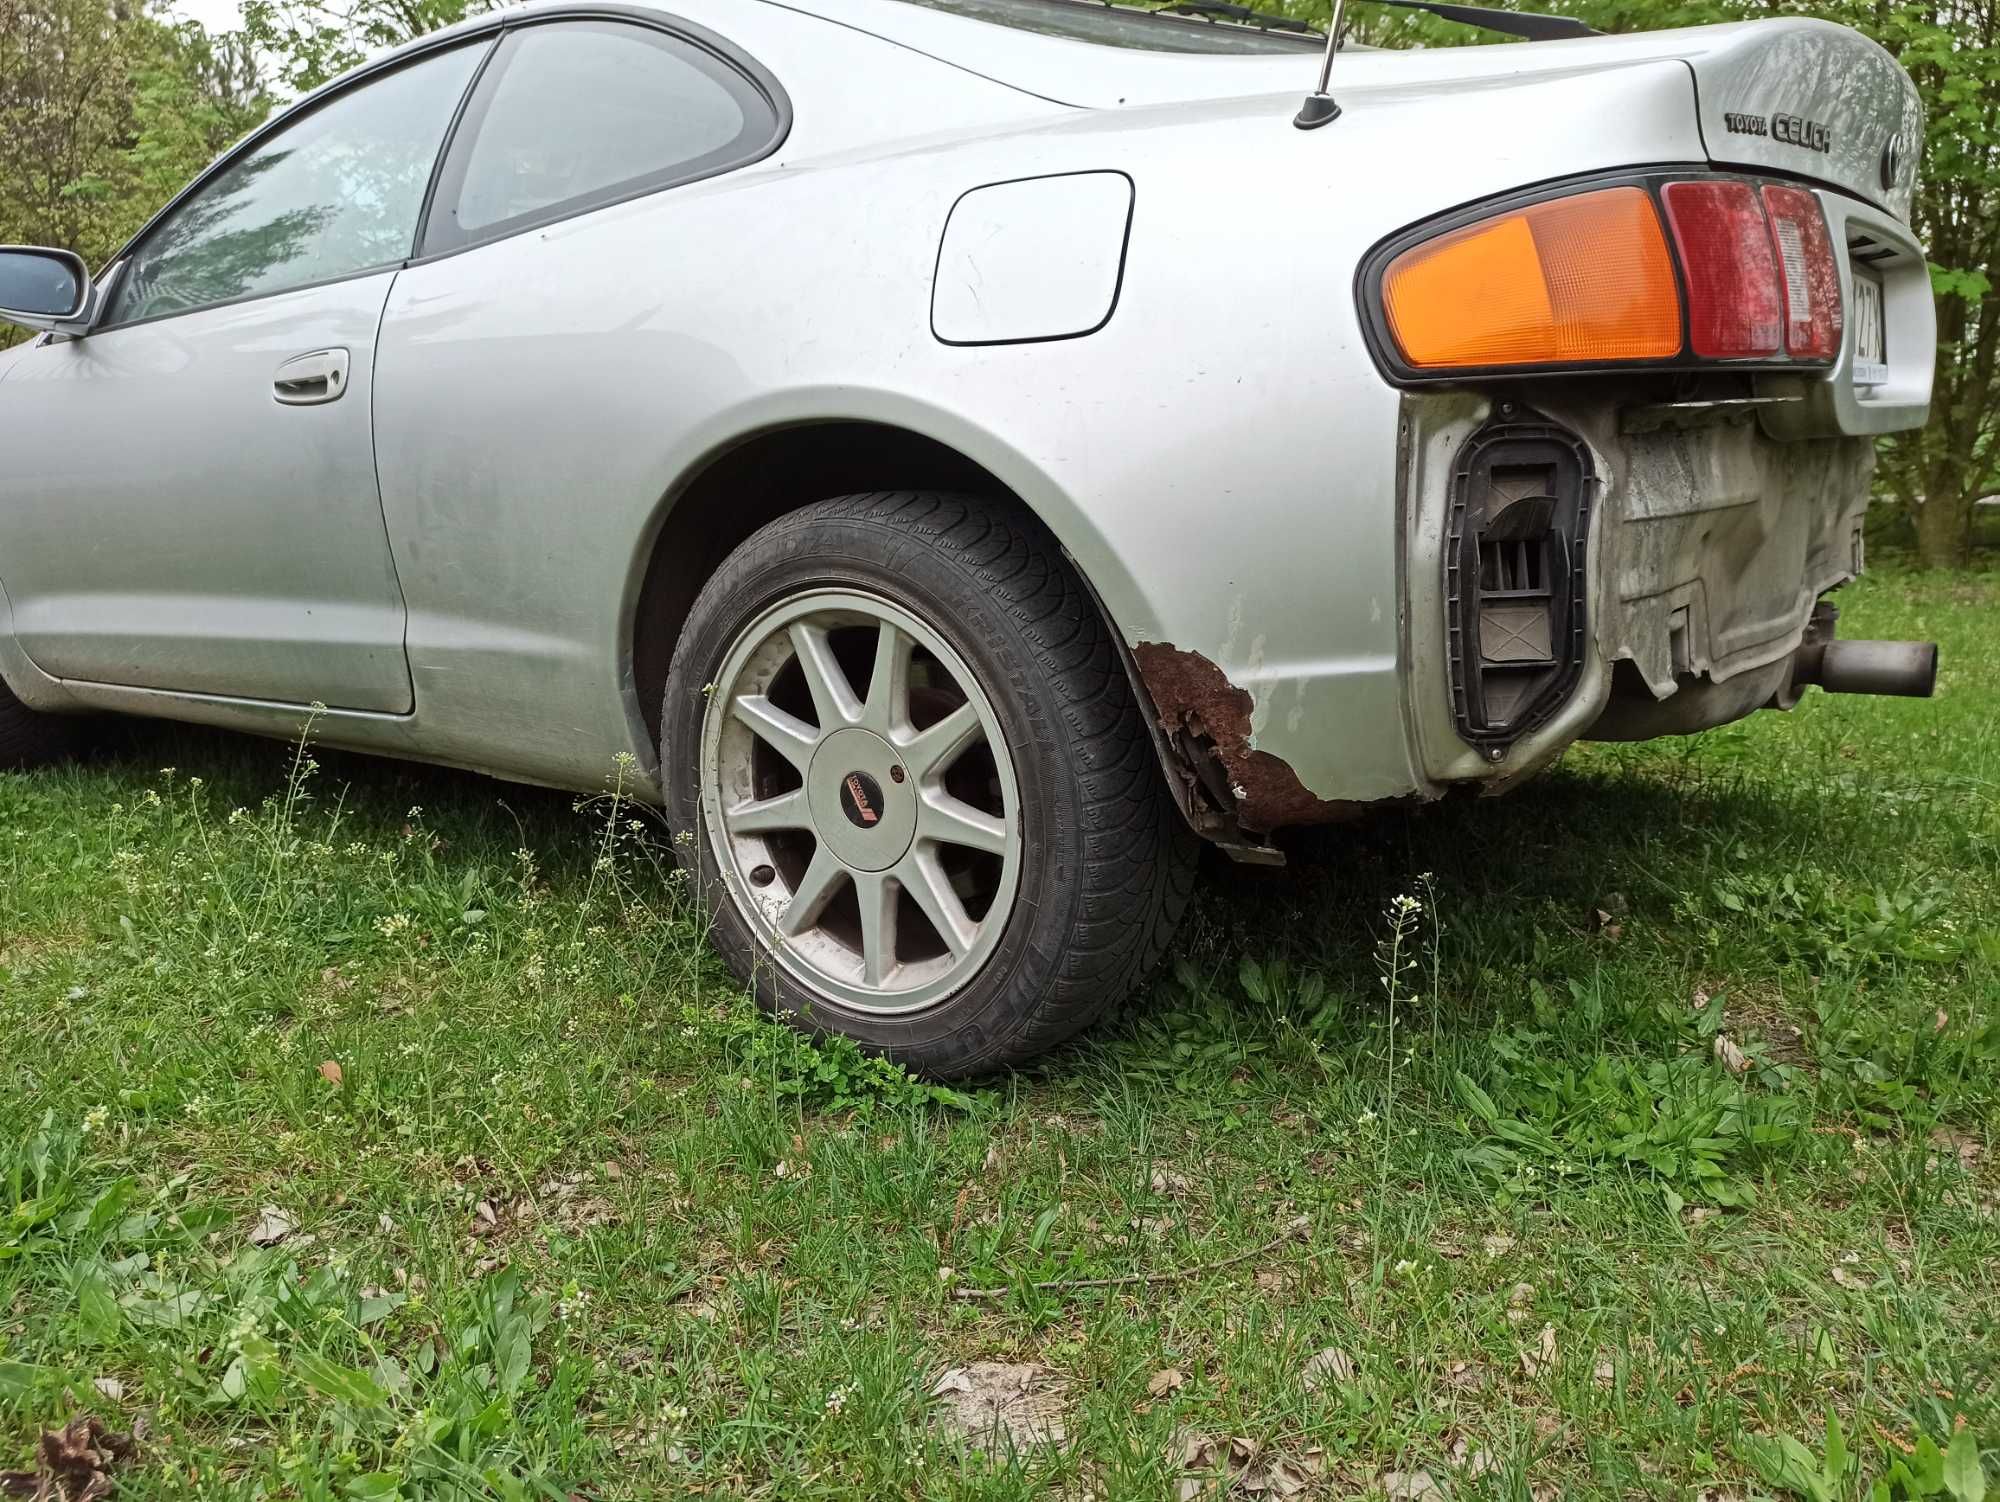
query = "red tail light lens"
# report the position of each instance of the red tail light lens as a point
(1808, 274)
(1734, 304)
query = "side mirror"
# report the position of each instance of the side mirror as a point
(45, 289)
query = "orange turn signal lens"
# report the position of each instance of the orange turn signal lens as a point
(1570, 281)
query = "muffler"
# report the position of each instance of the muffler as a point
(1906, 669)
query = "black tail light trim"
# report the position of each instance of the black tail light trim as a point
(1374, 265)
(1515, 584)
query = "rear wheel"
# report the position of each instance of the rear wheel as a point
(919, 797)
(29, 738)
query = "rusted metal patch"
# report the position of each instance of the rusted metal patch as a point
(1207, 722)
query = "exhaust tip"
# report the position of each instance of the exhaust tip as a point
(1904, 669)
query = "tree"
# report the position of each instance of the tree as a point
(106, 112)
(311, 41)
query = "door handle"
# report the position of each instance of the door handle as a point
(307, 380)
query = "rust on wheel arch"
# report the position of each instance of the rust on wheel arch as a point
(1206, 719)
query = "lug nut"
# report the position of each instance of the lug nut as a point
(895, 774)
(762, 876)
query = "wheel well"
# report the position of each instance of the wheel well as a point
(756, 482)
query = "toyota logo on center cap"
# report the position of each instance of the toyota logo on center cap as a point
(861, 800)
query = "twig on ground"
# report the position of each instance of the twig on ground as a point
(1296, 1231)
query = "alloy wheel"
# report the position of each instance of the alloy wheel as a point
(860, 800)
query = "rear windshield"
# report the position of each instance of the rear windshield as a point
(1123, 26)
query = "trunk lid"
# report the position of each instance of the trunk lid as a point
(1810, 99)
(1790, 96)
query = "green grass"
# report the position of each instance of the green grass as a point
(567, 1219)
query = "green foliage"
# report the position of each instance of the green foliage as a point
(1835, 1473)
(568, 1213)
(830, 1073)
(106, 111)
(1813, 917)
(421, 1395)
(1885, 1061)
(312, 41)
(1552, 1119)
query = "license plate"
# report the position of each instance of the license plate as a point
(1871, 353)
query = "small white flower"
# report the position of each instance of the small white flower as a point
(837, 1399)
(1364, 1118)
(95, 1118)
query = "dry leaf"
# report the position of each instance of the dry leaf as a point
(1967, 1149)
(1274, 1279)
(1410, 1486)
(1847, 1277)
(1166, 1380)
(1331, 1364)
(72, 1464)
(1498, 1245)
(273, 1226)
(1733, 1058)
(1544, 1354)
(1468, 1375)
(1244, 1467)
(1700, 1215)
(109, 1387)
(1014, 1404)
(330, 1071)
(1605, 1373)
(1519, 1297)
(1465, 1458)
(1167, 1181)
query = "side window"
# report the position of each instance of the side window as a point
(578, 114)
(337, 192)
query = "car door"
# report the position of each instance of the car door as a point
(190, 493)
(534, 363)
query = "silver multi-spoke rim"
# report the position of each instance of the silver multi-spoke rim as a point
(860, 800)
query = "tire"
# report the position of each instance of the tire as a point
(1047, 823)
(29, 738)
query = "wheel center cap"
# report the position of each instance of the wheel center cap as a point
(861, 805)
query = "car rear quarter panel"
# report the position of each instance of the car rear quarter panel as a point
(1220, 457)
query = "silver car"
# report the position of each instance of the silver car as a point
(968, 453)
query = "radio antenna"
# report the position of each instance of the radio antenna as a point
(1319, 108)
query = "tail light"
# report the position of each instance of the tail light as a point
(1676, 273)
(1732, 277)
(1808, 273)
(1571, 280)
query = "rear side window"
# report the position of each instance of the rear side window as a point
(574, 115)
(335, 192)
